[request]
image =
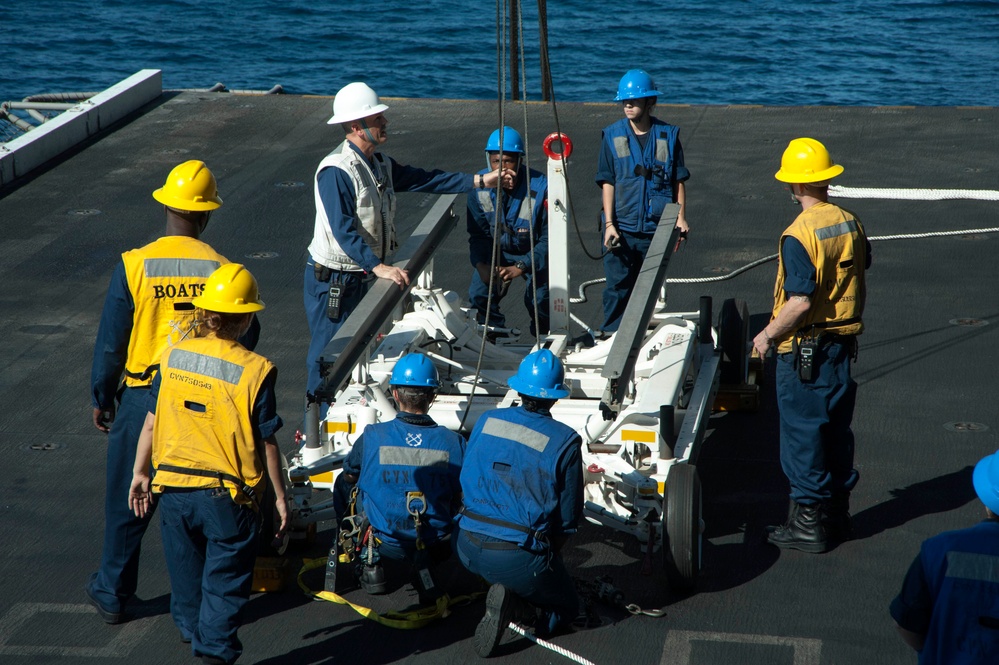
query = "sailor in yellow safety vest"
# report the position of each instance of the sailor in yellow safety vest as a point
(210, 435)
(147, 307)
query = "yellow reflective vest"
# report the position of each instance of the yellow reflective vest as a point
(837, 246)
(203, 433)
(163, 277)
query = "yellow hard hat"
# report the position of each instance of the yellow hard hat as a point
(190, 186)
(807, 161)
(230, 289)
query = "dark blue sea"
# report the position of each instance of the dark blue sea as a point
(838, 52)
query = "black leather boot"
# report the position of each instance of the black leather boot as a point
(837, 520)
(803, 531)
(792, 510)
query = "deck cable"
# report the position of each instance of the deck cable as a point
(549, 645)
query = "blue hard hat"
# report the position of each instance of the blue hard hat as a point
(636, 84)
(541, 374)
(512, 141)
(415, 369)
(986, 481)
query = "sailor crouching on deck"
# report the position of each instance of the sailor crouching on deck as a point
(818, 303)
(948, 608)
(523, 496)
(210, 435)
(407, 473)
(354, 234)
(523, 234)
(147, 307)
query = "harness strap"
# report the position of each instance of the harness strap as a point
(537, 535)
(145, 374)
(218, 475)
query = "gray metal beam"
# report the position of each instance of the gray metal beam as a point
(348, 344)
(641, 304)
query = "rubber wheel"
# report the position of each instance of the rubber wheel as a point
(681, 546)
(733, 339)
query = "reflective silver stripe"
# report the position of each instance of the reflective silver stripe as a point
(621, 146)
(197, 363)
(969, 566)
(412, 456)
(504, 429)
(662, 150)
(485, 200)
(841, 229)
(180, 267)
(525, 209)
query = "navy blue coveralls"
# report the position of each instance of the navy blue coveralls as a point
(210, 543)
(951, 596)
(117, 578)
(817, 442)
(645, 172)
(523, 494)
(340, 201)
(515, 245)
(411, 453)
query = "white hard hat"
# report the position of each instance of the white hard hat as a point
(355, 101)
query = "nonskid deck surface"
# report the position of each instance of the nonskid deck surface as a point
(925, 412)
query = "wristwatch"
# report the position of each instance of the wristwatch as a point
(521, 266)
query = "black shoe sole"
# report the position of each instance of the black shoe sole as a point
(490, 630)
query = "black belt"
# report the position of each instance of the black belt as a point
(536, 535)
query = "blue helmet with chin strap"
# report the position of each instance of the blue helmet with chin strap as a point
(541, 375)
(415, 369)
(636, 84)
(512, 141)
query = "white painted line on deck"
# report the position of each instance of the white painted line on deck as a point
(676, 651)
(125, 637)
(913, 194)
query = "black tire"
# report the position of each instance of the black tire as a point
(733, 339)
(681, 540)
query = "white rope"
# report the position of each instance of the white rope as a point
(766, 259)
(549, 645)
(913, 194)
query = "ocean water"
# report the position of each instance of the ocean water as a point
(839, 52)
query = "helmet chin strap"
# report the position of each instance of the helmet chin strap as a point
(367, 132)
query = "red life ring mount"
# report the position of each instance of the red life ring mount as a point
(563, 141)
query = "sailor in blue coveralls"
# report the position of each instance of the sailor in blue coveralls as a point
(523, 234)
(640, 170)
(354, 235)
(407, 475)
(147, 307)
(948, 609)
(819, 297)
(523, 496)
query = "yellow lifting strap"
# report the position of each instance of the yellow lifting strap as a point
(403, 620)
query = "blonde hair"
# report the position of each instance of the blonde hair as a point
(223, 325)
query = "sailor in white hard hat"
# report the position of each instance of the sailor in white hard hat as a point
(354, 236)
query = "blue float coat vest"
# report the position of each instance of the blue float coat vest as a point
(509, 479)
(515, 236)
(639, 201)
(962, 568)
(401, 457)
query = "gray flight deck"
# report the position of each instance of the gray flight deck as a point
(927, 372)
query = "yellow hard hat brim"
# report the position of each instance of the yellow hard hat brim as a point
(807, 178)
(210, 305)
(179, 204)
